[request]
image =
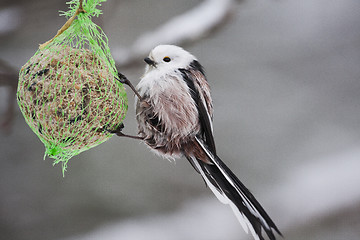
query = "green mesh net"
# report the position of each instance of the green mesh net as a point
(68, 92)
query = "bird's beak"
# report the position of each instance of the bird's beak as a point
(150, 62)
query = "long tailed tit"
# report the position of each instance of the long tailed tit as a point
(174, 111)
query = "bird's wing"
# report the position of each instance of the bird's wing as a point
(200, 92)
(220, 179)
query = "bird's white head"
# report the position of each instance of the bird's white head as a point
(168, 57)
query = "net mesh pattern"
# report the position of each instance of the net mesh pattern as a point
(68, 92)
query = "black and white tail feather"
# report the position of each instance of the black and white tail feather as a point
(229, 190)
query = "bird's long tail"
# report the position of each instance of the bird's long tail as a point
(229, 190)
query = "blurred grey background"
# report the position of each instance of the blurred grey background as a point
(285, 84)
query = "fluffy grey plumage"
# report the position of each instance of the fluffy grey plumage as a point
(174, 118)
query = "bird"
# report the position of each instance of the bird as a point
(174, 111)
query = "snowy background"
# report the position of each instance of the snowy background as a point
(285, 80)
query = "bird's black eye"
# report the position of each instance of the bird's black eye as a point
(167, 59)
